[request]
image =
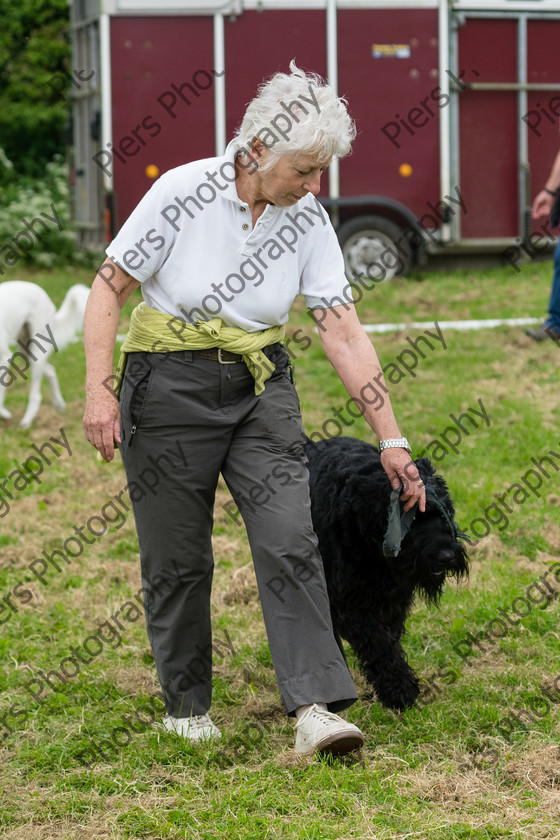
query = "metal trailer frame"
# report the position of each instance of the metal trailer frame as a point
(86, 31)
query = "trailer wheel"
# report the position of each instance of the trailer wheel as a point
(369, 246)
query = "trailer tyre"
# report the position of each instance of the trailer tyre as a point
(374, 246)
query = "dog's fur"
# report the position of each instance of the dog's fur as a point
(371, 595)
(26, 310)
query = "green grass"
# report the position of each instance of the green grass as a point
(448, 769)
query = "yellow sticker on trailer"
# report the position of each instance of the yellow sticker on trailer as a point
(390, 50)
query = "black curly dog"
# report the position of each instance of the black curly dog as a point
(371, 594)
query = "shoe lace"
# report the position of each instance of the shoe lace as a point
(321, 715)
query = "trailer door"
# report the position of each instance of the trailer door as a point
(506, 70)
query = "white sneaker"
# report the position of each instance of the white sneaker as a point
(196, 728)
(323, 732)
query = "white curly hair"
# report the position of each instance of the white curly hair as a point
(326, 130)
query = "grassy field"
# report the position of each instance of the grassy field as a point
(477, 758)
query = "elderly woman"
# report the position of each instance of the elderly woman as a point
(220, 248)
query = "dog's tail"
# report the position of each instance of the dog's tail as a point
(69, 320)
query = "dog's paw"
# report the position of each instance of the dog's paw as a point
(5, 414)
(409, 694)
(60, 406)
(399, 695)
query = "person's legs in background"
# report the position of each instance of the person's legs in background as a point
(553, 319)
(551, 326)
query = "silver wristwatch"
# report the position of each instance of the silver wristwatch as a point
(395, 443)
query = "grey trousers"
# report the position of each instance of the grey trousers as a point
(186, 419)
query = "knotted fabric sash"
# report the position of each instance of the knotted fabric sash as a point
(152, 331)
(398, 524)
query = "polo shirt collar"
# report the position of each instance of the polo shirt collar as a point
(231, 191)
(265, 221)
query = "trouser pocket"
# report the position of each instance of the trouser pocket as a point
(134, 397)
(279, 415)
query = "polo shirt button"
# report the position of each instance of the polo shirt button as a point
(243, 209)
(245, 227)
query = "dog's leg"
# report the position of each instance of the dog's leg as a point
(362, 616)
(34, 400)
(4, 413)
(57, 398)
(382, 660)
(4, 359)
(395, 683)
(38, 368)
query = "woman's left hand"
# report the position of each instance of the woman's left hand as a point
(401, 469)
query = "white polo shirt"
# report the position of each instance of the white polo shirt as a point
(190, 242)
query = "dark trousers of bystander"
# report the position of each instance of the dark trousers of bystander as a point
(553, 319)
(211, 408)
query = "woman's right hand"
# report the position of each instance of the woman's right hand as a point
(110, 290)
(102, 423)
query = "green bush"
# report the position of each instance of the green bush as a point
(25, 199)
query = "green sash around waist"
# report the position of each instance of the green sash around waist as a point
(152, 331)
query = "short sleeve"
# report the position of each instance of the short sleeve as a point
(322, 278)
(146, 238)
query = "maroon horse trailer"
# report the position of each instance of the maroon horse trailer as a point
(457, 105)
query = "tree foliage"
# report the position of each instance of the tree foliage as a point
(34, 47)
